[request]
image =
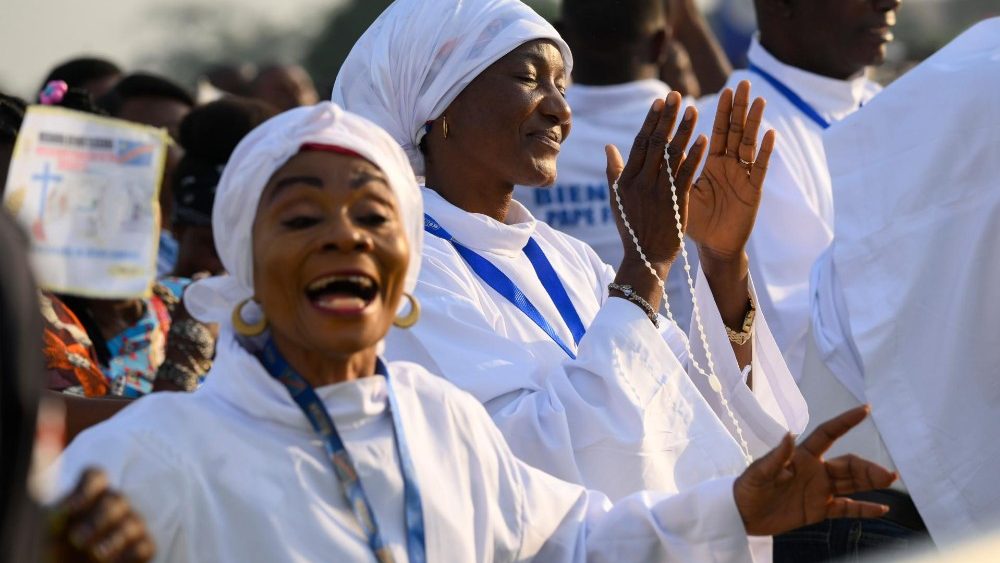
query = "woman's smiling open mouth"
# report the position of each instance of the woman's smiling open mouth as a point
(342, 293)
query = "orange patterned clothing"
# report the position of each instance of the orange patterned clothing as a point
(69, 354)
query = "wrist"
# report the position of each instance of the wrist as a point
(645, 284)
(729, 279)
(636, 266)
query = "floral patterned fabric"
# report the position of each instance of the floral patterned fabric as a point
(135, 354)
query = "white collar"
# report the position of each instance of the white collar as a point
(479, 232)
(586, 99)
(829, 96)
(239, 379)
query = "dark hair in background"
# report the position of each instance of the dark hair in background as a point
(11, 115)
(141, 85)
(80, 100)
(212, 131)
(209, 134)
(79, 71)
(610, 23)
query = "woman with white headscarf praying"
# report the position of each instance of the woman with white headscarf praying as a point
(582, 377)
(303, 445)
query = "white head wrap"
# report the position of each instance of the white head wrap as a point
(419, 55)
(256, 159)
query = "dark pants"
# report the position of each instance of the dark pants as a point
(846, 540)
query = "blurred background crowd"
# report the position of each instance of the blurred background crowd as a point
(236, 47)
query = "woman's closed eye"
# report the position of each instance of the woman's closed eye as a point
(299, 222)
(372, 219)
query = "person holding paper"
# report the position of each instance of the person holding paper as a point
(111, 331)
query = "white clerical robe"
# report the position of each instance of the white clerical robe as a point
(795, 221)
(578, 204)
(234, 472)
(905, 310)
(625, 415)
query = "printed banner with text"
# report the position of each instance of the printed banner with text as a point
(86, 190)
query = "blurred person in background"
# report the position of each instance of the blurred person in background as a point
(905, 304)
(809, 62)
(95, 75)
(692, 38)
(208, 135)
(101, 353)
(284, 86)
(11, 116)
(92, 522)
(159, 102)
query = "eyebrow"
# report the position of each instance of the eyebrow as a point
(362, 177)
(538, 60)
(311, 181)
(357, 181)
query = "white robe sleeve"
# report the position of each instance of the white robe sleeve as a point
(147, 473)
(774, 406)
(562, 522)
(788, 235)
(599, 419)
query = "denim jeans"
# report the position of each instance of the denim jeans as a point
(846, 539)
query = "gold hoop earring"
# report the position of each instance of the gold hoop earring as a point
(410, 318)
(244, 328)
(444, 125)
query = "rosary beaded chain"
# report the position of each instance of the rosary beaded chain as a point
(713, 379)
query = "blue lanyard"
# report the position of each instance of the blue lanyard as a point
(305, 396)
(509, 290)
(791, 96)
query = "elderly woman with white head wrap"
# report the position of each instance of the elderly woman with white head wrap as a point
(581, 384)
(304, 446)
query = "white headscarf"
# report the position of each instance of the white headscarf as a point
(256, 159)
(419, 55)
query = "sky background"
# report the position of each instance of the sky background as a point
(37, 34)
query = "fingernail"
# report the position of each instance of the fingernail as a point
(657, 104)
(689, 113)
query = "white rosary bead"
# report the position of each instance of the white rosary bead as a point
(713, 380)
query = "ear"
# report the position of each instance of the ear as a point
(659, 40)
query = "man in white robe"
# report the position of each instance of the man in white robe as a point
(904, 304)
(808, 61)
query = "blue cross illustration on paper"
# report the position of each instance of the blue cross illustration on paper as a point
(46, 178)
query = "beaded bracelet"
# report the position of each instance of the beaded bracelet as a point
(634, 297)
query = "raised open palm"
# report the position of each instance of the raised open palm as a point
(793, 486)
(644, 183)
(723, 202)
